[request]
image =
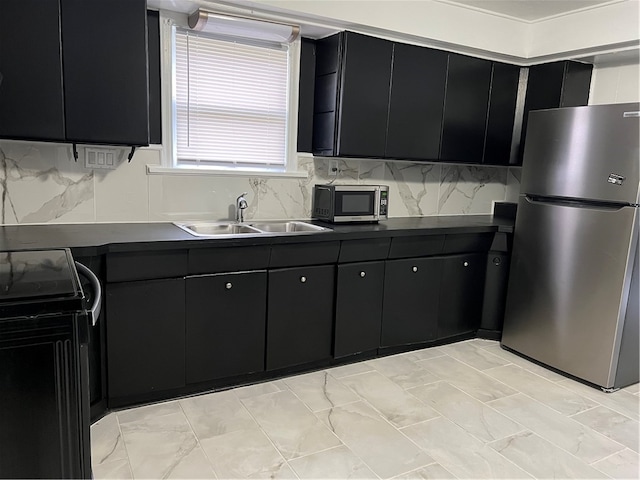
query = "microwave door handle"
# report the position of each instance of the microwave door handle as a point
(376, 207)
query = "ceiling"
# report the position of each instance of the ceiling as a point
(529, 11)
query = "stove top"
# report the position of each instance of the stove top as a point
(37, 274)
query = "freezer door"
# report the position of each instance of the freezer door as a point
(568, 286)
(583, 152)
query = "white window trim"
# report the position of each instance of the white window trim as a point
(168, 151)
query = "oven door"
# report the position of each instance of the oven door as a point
(356, 203)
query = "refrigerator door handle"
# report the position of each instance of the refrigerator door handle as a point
(97, 290)
(587, 204)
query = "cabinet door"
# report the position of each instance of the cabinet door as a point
(104, 46)
(306, 88)
(410, 303)
(358, 308)
(155, 92)
(299, 315)
(576, 85)
(461, 294)
(465, 109)
(145, 336)
(544, 89)
(31, 102)
(366, 74)
(416, 103)
(502, 111)
(225, 325)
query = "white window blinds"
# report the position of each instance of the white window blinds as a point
(230, 101)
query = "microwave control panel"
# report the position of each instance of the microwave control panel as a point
(383, 202)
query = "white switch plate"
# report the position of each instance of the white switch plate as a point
(333, 168)
(100, 158)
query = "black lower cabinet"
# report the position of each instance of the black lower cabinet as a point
(145, 336)
(299, 315)
(358, 308)
(410, 304)
(461, 294)
(225, 325)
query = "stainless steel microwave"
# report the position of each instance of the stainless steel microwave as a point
(350, 203)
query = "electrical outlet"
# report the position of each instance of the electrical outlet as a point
(333, 168)
(100, 158)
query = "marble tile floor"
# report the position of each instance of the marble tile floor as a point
(466, 410)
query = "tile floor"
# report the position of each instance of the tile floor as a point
(467, 410)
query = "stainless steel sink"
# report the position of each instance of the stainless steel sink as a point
(214, 229)
(202, 229)
(288, 227)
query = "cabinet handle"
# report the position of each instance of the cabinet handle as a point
(228, 285)
(466, 264)
(414, 269)
(303, 279)
(363, 274)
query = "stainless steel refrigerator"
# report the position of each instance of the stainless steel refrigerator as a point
(573, 295)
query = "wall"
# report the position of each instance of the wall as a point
(41, 183)
(593, 30)
(615, 82)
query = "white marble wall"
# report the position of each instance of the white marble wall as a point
(41, 183)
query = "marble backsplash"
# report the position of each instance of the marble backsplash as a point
(41, 183)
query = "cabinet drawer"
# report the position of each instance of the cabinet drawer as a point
(228, 259)
(364, 250)
(125, 267)
(304, 254)
(416, 246)
(467, 242)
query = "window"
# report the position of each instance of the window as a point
(231, 102)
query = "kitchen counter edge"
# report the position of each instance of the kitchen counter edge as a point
(89, 239)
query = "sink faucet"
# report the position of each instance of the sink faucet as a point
(241, 204)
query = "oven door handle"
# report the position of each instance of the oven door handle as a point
(97, 291)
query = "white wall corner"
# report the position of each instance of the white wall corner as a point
(608, 27)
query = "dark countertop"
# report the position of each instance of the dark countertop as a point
(97, 238)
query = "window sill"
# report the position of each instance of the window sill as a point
(158, 170)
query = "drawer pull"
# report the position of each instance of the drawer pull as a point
(466, 264)
(414, 269)
(228, 285)
(303, 279)
(363, 274)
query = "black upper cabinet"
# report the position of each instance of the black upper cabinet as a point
(466, 107)
(305, 94)
(554, 85)
(366, 75)
(416, 102)
(31, 101)
(353, 73)
(576, 85)
(104, 47)
(155, 104)
(82, 78)
(502, 109)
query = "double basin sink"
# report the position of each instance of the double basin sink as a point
(230, 229)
